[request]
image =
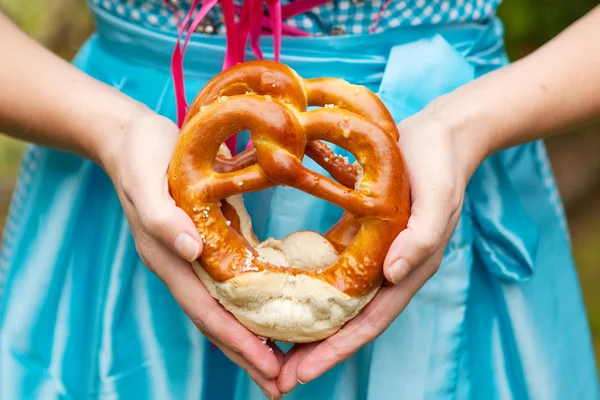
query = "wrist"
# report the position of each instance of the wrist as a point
(112, 132)
(467, 127)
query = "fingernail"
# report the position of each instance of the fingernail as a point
(269, 395)
(300, 382)
(398, 270)
(186, 247)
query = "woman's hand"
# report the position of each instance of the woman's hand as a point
(167, 240)
(545, 93)
(439, 163)
(48, 101)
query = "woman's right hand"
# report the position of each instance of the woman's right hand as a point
(167, 240)
(46, 100)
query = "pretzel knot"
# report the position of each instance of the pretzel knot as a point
(305, 287)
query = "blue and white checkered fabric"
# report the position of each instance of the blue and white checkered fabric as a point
(349, 16)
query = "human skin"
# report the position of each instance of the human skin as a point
(50, 102)
(45, 100)
(553, 90)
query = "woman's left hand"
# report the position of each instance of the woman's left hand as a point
(443, 144)
(439, 164)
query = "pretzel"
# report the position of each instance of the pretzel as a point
(307, 286)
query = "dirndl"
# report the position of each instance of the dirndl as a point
(81, 317)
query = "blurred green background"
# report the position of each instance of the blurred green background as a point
(62, 25)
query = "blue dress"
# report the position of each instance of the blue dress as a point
(81, 317)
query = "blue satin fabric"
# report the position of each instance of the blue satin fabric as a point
(81, 317)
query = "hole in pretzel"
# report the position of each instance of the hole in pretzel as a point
(302, 247)
(302, 243)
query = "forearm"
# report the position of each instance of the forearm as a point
(46, 100)
(553, 89)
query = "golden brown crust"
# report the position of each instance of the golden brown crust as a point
(229, 164)
(230, 215)
(270, 101)
(355, 98)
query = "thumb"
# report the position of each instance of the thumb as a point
(162, 219)
(425, 233)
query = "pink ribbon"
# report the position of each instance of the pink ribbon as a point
(300, 7)
(379, 15)
(178, 54)
(252, 24)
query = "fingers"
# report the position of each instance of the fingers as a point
(277, 351)
(164, 235)
(268, 386)
(172, 226)
(212, 318)
(437, 184)
(288, 378)
(161, 218)
(368, 325)
(223, 325)
(141, 180)
(206, 312)
(347, 341)
(434, 214)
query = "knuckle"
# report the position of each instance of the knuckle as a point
(153, 223)
(198, 321)
(336, 355)
(371, 329)
(429, 243)
(211, 322)
(241, 346)
(199, 324)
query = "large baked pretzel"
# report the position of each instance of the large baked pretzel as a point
(305, 287)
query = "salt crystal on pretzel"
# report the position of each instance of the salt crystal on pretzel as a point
(305, 287)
